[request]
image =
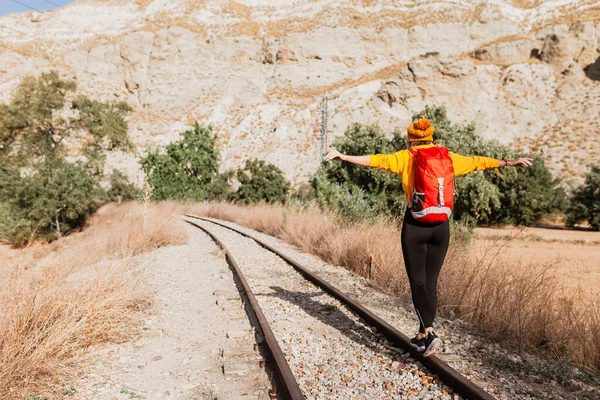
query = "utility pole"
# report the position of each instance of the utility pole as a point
(324, 114)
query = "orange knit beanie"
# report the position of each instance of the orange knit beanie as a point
(420, 130)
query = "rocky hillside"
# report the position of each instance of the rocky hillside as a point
(526, 71)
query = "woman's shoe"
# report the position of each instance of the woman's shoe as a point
(433, 344)
(418, 342)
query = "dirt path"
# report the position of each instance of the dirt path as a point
(197, 344)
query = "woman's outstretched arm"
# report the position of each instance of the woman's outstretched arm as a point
(388, 162)
(464, 165)
(365, 161)
(519, 162)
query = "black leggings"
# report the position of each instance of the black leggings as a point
(424, 247)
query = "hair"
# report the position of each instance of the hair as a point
(419, 143)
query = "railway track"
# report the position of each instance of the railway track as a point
(318, 340)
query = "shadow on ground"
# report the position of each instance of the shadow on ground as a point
(333, 316)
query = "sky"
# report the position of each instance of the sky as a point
(10, 6)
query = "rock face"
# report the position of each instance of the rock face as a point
(511, 51)
(526, 72)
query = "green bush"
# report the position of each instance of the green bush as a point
(41, 194)
(349, 200)
(304, 194)
(220, 187)
(585, 201)
(188, 169)
(54, 200)
(259, 181)
(528, 194)
(121, 188)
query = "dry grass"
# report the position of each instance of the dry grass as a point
(519, 305)
(58, 299)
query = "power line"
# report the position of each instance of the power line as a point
(26, 6)
(54, 4)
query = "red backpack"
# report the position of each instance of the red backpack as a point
(433, 196)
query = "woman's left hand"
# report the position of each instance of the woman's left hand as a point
(521, 162)
(335, 155)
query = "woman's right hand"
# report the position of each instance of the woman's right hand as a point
(335, 155)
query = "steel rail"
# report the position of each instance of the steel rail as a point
(285, 380)
(457, 381)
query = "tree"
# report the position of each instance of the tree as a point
(260, 181)
(585, 201)
(105, 123)
(30, 126)
(188, 170)
(106, 127)
(41, 116)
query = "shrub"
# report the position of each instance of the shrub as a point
(528, 194)
(121, 188)
(220, 187)
(188, 170)
(260, 181)
(304, 194)
(49, 203)
(585, 201)
(349, 200)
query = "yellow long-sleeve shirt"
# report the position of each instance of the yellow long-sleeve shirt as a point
(402, 163)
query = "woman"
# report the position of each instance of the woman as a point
(424, 245)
